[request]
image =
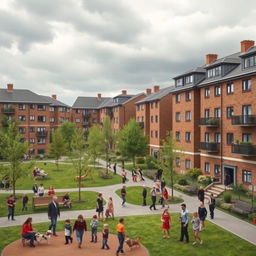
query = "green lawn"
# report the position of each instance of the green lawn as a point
(134, 196)
(64, 178)
(217, 242)
(89, 202)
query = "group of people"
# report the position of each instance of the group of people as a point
(109, 212)
(39, 190)
(39, 173)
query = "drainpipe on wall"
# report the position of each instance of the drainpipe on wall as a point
(222, 137)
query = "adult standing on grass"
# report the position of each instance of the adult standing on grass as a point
(212, 203)
(11, 206)
(123, 195)
(184, 223)
(120, 228)
(53, 214)
(153, 198)
(202, 213)
(200, 194)
(114, 168)
(100, 208)
(144, 195)
(80, 227)
(27, 231)
(24, 202)
(110, 208)
(123, 175)
(166, 219)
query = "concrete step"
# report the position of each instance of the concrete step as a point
(217, 190)
(209, 193)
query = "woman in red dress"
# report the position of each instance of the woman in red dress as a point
(166, 219)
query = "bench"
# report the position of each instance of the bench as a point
(45, 200)
(241, 208)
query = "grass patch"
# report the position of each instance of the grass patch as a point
(134, 196)
(216, 240)
(89, 202)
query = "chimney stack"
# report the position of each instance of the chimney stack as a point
(99, 96)
(54, 96)
(246, 45)
(124, 92)
(156, 88)
(9, 87)
(209, 58)
(148, 91)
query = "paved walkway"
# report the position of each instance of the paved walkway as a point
(238, 227)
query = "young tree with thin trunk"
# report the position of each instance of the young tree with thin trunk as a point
(131, 141)
(67, 130)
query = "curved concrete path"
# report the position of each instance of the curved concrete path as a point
(236, 226)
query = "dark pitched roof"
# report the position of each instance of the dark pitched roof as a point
(156, 95)
(195, 70)
(21, 96)
(232, 59)
(89, 102)
(54, 102)
(116, 101)
(252, 50)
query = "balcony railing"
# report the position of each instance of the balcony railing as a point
(244, 149)
(87, 115)
(209, 146)
(244, 120)
(42, 133)
(141, 124)
(209, 121)
(8, 110)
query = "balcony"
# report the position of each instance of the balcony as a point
(244, 120)
(245, 149)
(86, 123)
(41, 134)
(209, 146)
(209, 121)
(8, 110)
(87, 115)
(141, 124)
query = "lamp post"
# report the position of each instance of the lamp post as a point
(171, 171)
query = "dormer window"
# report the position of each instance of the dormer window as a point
(250, 61)
(189, 79)
(179, 82)
(214, 72)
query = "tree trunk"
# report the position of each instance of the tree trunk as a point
(133, 160)
(79, 186)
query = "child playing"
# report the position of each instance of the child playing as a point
(25, 202)
(196, 227)
(166, 219)
(94, 225)
(68, 231)
(105, 237)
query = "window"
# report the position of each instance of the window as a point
(40, 151)
(207, 113)
(179, 82)
(22, 129)
(207, 92)
(217, 170)
(52, 120)
(230, 88)
(188, 96)
(250, 61)
(247, 137)
(77, 120)
(189, 79)
(63, 109)
(156, 119)
(178, 99)
(32, 118)
(217, 90)
(177, 160)
(41, 140)
(177, 115)
(207, 168)
(214, 72)
(217, 137)
(247, 110)
(32, 106)
(217, 112)
(187, 164)
(156, 104)
(230, 138)
(41, 118)
(207, 137)
(188, 136)
(22, 118)
(230, 112)
(152, 119)
(51, 109)
(156, 134)
(22, 106)
(32, 140)
(77, 111)
(31, 129)
(152, 104)
(152, 134)
(246, 85)
(188, 115)
(247, 176)
(177, 136)
(41, 107)
(62, 119)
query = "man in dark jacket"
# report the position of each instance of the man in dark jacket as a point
(144, 195)
(53, 213)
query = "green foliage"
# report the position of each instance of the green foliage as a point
(140, 160)
(151, 162)
(226, 206)
(57, 146)
(239, 190)
(67, 130)
(205, 180)
(252, 216)
(227, 197)
(183, 182)
(194, 173)
(132, 142)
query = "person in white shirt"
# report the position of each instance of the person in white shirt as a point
(41, 190)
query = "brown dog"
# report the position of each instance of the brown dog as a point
(133, 242)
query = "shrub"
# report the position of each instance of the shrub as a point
(191, 189)
(104, 175)
(151, 175)
(194, 173)
(226, 206)
(140, 160)
(183, 182)
(205, 180)
(151, 162)
(227, 197)
(252, 216)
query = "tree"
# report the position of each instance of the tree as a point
(95, 143)
(13, 150)
(57, 146)
(79, 158)
(131, 141)
(67, 130)
(168, 154)
(108, 138)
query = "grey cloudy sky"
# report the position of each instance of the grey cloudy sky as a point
(83, 47)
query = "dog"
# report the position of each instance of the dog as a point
(133, 242)
(44, 237)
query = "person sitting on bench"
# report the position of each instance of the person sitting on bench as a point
(27, 232)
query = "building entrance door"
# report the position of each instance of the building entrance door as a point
(229, 175)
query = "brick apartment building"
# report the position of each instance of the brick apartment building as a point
(154, 113)
(36, 115)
